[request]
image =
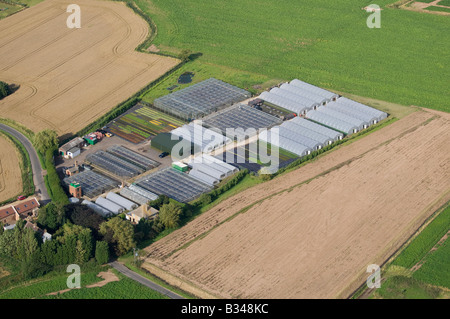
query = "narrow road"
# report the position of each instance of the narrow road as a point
(144, 281)
(38, 172)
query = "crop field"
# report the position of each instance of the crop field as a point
(71, 77)
(143, 122)
(289, 39)
(10, 173)
(312, 232)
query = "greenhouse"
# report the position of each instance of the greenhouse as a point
(240, 117)
(119, 200)
(284, 103)
(203, 177)
(133, 196)
(201, 99)
(314, 89)
(367, 117)
(114, 164)
(208, 169)
(109, 205)
(207, 140)
(323, 139)
(302, 92)
(335, 135)
(174, 184)
(298, 138)
(143, 192)
(341, 116)
(96, 208)
(304, 101)
(133, 157)
(92, 184)
(362, 108)
(230, 168)
(332, 122)
(285, 143)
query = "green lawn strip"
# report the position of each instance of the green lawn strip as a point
(125, 288)
(424, 241)
(52, 282)
(444, 3)
(401, 287)
(438, 9)
(435, 269)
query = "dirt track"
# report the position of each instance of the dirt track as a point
(70, 77)
(328, 222)
(10, 173)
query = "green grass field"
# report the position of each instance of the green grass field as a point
(444, 3)
(424, 282)
(7, 9)
(326, 43)
(439, 9)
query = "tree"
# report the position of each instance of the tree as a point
(101, 252)
(119, 234)
(51, 216)
(45, 140)
(84, 216)
(2, 230)
(169, 215)
(7, 243)
(4, 90)
(85, 238)
(161, 200)
(185, 55)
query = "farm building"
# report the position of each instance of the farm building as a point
(305, 93)
(174, 184)
(335, 135)
(332, 122)
(360, 124)
(241, 117)
(143, 211)
(284, 103)
(299, 99)
(27, 208)
(71, 146)
(201, 99)
(8, 215)
(165, 142)
(91, 139)
(204, 140)
(315, 89)
(96, 208)
(362, 108)
(272, 137)
(92, 183)
(122, 201)
(110, 205)
(323, 139)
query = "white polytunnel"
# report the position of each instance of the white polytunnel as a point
(122, 201)
(332, 122)
(367, 117)
(109, 205)
(284, 143)
(335, 135)
(341, 116)
(284, 103)
(323, 139)
(203, 177)
(96, 208)
(362, 108)
(308, 94)
(304, 101)
(314, 89)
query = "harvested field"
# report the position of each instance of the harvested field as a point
(10, 173)
(70, 77)
(312, 232)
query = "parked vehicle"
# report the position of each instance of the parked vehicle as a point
(21, 197)
(163, 154)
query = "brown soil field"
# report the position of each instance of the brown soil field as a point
(311, 233)
(70, 77)
(10, 173)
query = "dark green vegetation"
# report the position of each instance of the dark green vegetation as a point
(439, 9)
(25, 167)
(321, 42)
(4, 90)
(421, 269)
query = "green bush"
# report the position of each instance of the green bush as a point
(53, 183)
(101, 252)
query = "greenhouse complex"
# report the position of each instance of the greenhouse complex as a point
(225, 127)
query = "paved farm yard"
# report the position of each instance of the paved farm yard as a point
(70, 77)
